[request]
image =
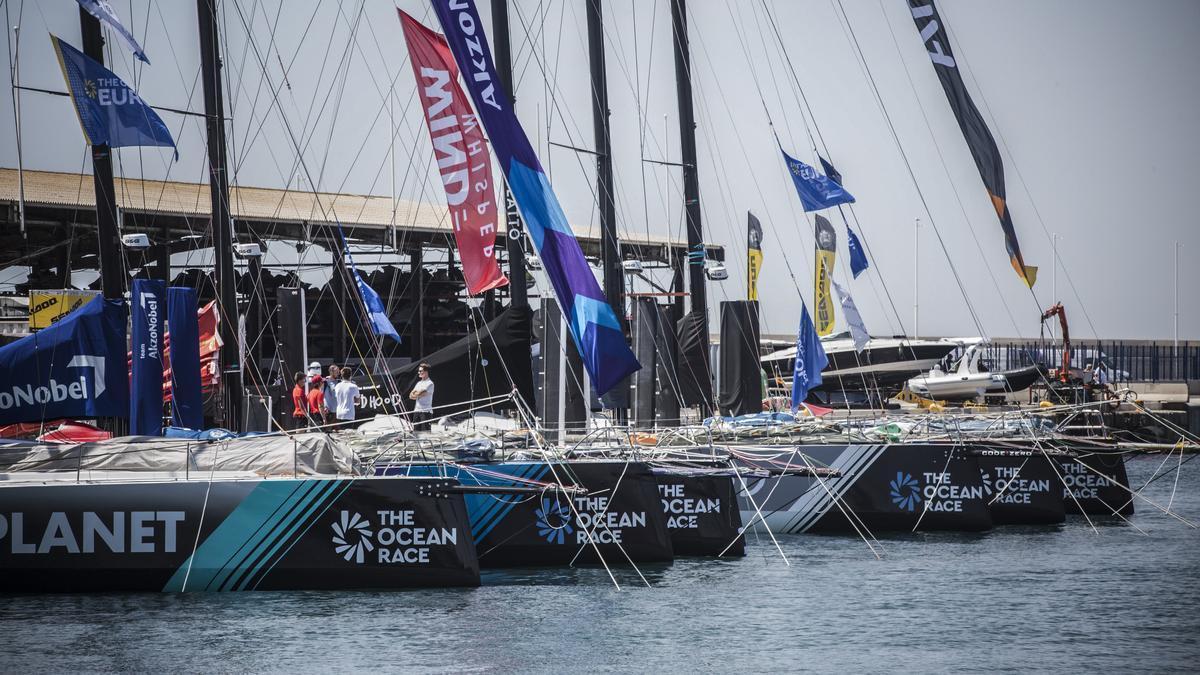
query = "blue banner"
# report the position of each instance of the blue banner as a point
(815, 189)
(187, 401)
(148, 310)
(376, 312)
(74, 369)
(810, 360)
(104, 12)
(858, 257)
(592, 321)
(109, 111)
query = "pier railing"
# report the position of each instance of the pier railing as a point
(1125, 361)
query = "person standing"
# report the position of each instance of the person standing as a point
(331, 383)
(347, 397)
(422, 395)
(316, 402)
(299, 402)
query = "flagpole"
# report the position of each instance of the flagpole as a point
(916, 272)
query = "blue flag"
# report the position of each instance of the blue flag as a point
(858, 258)
(110, 112)
(810, 360)
(74, 369)
(376, 312)
(593, 324)
(815, 189)
(187, 398)
(148, 299)
(104, 12)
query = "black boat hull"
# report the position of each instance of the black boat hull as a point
(702, 513)
(1096, 485)
(232, 535)
(1024, 488)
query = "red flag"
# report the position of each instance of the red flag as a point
(462, 155)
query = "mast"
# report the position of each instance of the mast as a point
(222, 223)
(691, 195)
(610, 252)
(517, 289)
(112, 268)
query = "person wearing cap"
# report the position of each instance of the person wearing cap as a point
(316, 402)
(314, 369)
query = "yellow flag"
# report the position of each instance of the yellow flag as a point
(754, 255)
(826, 251)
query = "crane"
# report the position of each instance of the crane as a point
(1064, 374)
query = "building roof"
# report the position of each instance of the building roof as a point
(58, 189)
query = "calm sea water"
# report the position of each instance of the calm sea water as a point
(1054, 598)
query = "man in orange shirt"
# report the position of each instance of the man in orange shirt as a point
(299, 403)
(316, 402)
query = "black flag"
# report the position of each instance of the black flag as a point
(979, 138)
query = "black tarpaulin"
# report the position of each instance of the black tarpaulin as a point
(695, 382)
(741, 373)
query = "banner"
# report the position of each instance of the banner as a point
(148, 297)
(810, 360)
(593, 323)
(858, 330)
(72, 369)
(109, 111)
(46, 308)
(974, 128)
(816, 190)
(826, 256)
(187, 400)
(858, 257)
(754, 255)
(104, 12)
(461, 153)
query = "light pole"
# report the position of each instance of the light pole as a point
(1175, 352)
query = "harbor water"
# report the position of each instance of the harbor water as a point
(1060, 598)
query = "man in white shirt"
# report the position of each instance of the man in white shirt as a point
(422, 396)
(346, 394)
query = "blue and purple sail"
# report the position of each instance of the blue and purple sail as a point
(593, 324)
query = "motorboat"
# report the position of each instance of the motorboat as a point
(969, 377)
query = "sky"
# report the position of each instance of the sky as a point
(1092, 104)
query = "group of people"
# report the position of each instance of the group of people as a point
(332, 399)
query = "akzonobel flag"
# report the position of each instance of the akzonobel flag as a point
(593, 323)
(974, 129)
(754, 255)
(826, 251)
(461, 153)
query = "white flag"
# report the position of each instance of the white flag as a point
(104, 12)
(858, 331)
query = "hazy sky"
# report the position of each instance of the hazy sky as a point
(1093, 104)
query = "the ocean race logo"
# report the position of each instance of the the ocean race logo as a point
(1010, 488)
(554, 521)
(905, 491)
(683, 512)
(15, 396)
(595, 521)
(352, 537)
(1081, 481)
(394, 537)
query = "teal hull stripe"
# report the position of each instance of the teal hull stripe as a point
(505, 506)
(265, 531)
(484, 506)
(226, 543)
(307, 527)
(326, 495)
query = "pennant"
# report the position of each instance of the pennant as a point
(376, 312)
(826, 256)
(149, 313)
(75, 368)
(816, 190)
(858, 330)
(858, 258)
(104, 12)
(971, 123)
(593, 323)
(461, 153)
(810, 360)
(109, 111)
(183, 324)
(754, 255)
